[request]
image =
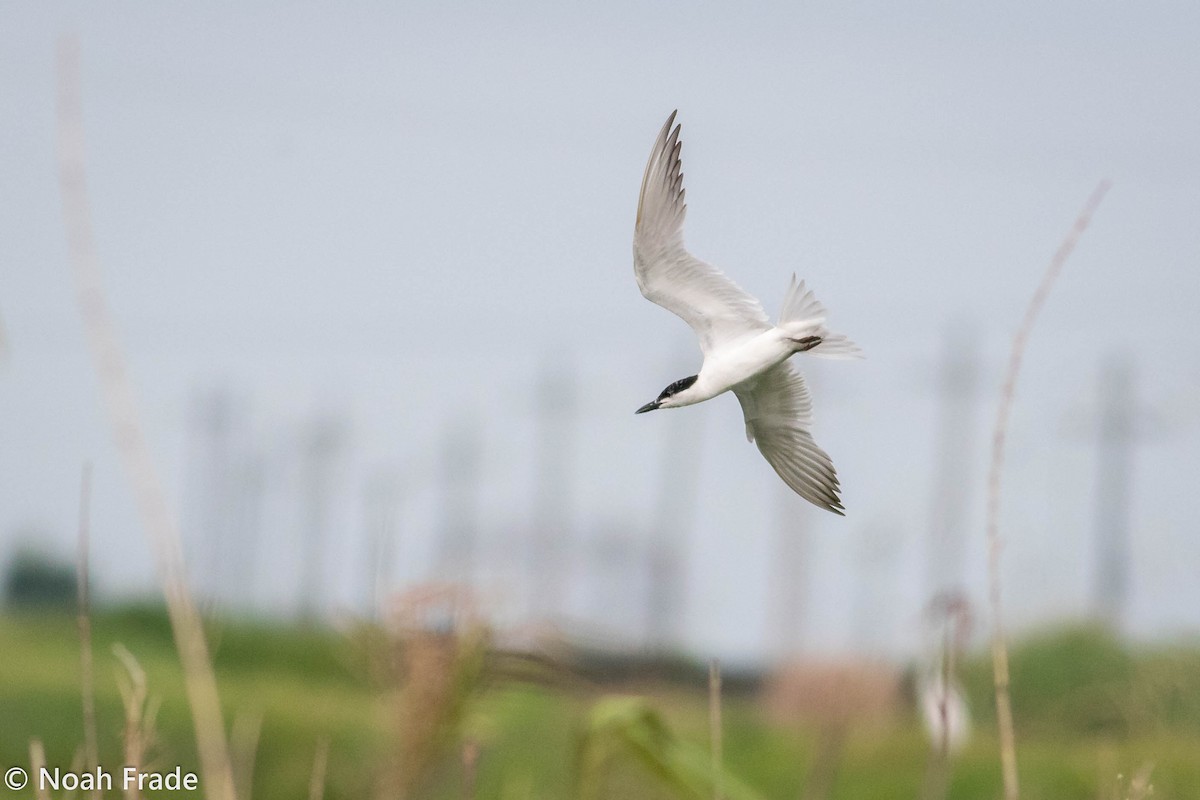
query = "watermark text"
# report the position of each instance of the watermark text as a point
(127, 778)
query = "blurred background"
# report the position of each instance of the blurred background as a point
(370, 265)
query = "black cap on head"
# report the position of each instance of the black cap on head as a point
(677, 387)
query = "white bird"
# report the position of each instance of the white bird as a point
(743, 351)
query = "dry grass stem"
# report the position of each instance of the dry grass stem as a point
(440, 647)
(91, 757)
(951, 612)
(1008, 756)
(76, 768)
(715, 727)
(316, 783)
(247, 727)
(937, 774)
(1139, 786)
(157, 519)
(140, 713)
(37, 761)
(470, 767)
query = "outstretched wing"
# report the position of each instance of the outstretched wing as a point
(778, 411)
(714, 306)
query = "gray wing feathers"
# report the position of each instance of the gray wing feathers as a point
(714, 306)
(660, 206)
(778, 412)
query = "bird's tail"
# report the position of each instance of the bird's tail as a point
(803, 317)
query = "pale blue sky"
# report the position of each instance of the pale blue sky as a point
(400, 213)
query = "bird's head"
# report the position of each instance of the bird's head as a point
(669, 397)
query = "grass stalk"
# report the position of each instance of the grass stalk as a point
(91, 755)
(470, 767)
(937, 774)
(715, 729)
(1140, 787)
(316, 782)
(158, 520)
(37, 762)
(1008, 755)
(247, 728)
(140, 712)
(951, 611)
(76, 767)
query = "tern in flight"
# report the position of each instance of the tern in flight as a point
(743, 351)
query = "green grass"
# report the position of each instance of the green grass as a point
(1087, 709)
(300, 681)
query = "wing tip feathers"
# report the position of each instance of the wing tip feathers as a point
(665, 161)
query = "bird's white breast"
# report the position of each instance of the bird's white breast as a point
(741, 361)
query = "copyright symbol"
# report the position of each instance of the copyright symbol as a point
(15, 779)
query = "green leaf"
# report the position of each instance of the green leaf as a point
(628, 727)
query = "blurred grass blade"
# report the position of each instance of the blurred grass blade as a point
(628, 726)
(84, 620)
(158, 520)
(1004, 718)
(316, 783)
(37, 760)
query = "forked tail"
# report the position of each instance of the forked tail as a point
(803, 317)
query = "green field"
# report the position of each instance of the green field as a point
(1089, 712)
